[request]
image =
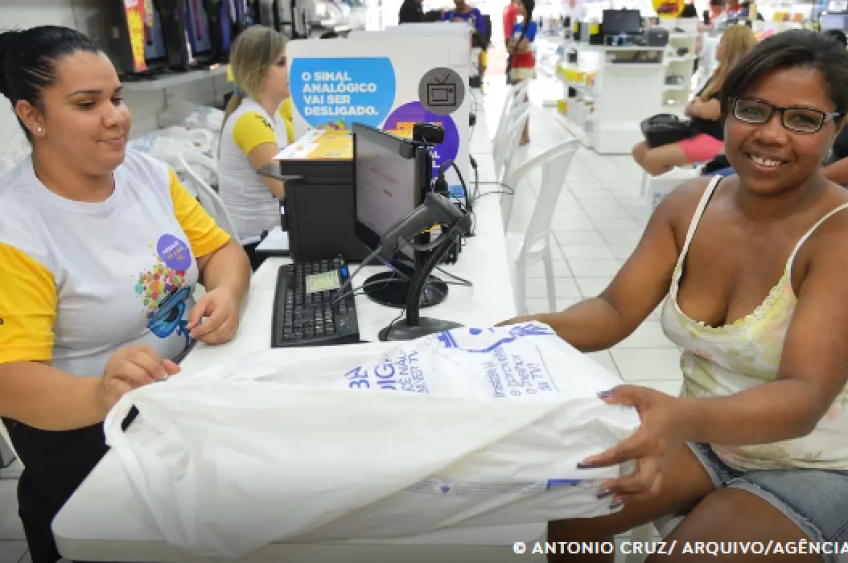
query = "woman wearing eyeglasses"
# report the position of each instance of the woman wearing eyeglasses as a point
(704, 111)
(750, 271)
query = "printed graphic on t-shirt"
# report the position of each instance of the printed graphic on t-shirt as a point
(162, 288)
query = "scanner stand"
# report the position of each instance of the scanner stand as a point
(435, 209)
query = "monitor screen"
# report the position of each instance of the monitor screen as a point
(197, 23)
(386, 181)
(154, 40)
(616, 22)
(833, 21)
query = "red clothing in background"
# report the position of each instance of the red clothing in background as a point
(509, 18)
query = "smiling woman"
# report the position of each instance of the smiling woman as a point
(100, 252)
(751, 270)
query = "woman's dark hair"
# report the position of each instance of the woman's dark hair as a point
(529, 6)
(837, 34)
(28, 61)
(688, 11)
(716, 2)
(794, 48)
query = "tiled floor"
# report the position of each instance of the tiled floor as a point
(599, 219)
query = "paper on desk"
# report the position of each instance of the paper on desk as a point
(276, 240)
(296, 150)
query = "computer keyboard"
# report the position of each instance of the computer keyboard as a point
(306, 309)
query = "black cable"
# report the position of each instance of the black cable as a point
(459, 280)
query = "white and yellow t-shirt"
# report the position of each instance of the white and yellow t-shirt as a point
(79, 280)
(251, 204)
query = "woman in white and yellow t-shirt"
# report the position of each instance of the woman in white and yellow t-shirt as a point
(100, 252)
(253, 134)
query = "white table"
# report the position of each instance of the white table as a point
(103, 522)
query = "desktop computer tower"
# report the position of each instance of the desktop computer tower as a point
(318, 230)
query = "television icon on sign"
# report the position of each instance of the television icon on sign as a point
(441, 93)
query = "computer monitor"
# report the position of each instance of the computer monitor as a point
(269, 14)
(197, 25)
(173, 13)
(220, 28)
(391, 178)
(155, 53)
(116, 38)
(621, 22)
(833, 20)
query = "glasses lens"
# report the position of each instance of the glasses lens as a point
(803, 120)
(751, 111)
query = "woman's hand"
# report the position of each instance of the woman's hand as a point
(129, 368)
(660, 436)
(221, 310)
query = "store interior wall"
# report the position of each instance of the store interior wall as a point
(79, 14)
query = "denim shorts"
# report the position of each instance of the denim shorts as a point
(815, 500)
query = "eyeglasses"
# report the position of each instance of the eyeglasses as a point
(798, 119)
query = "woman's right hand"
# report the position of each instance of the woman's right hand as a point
(129, 368)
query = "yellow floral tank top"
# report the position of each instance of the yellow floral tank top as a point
(722, 361)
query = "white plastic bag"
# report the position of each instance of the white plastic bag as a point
(191, 116)
(180, 148)
(466, 428)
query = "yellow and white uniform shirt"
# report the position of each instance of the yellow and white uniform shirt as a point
(79, 280)
(251, 204)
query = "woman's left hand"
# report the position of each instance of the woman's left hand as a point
(222, 317)
(659, 438)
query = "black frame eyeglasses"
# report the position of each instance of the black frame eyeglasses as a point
(796, 119)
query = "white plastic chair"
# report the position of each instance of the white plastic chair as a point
(214, 205)
(516, 121)
(536, 244)
(7, 450)
(209, 198)
(515, 96)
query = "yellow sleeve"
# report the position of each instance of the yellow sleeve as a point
(286, 114)
(252, 130)
(204, 234)
(28, 301)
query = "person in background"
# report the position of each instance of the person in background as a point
(716, 10)
(411, 12)
(745, 8)
(510, 16)
(253, 133)
(286, 113)
(100, 252)
(704, 110)
(433, 16)
(750, 274)
(520, 48)
(836, 169)
(688, 11)
(465, 13)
